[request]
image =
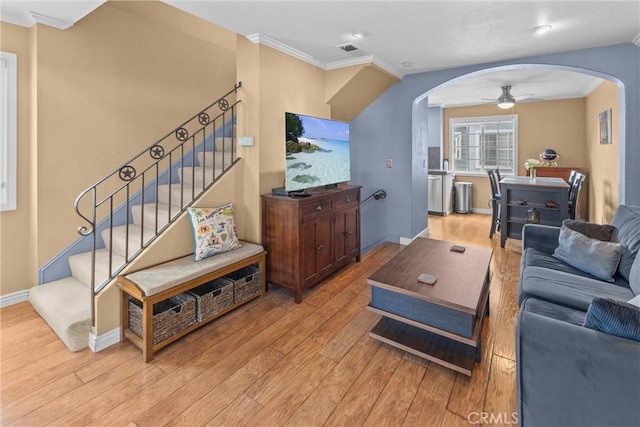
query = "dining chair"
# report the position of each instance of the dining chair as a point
(495, 203)
(574, 192)
(498, 175)
(572, 177)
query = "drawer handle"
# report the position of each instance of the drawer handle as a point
(318, 208)
(319, 247)
(348, 233)
(347, 200)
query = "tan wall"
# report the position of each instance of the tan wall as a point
(603, 160)
(103, 90)
(277, 83)
(17, 261)
(556, 124)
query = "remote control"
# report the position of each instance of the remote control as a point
(429, 279)
(457, 248)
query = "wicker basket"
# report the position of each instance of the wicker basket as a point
(212, 298)
(169, 316)
(247, 283)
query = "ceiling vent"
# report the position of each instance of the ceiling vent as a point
(348, 47)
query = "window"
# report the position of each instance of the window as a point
(478, 144)
(8, 133)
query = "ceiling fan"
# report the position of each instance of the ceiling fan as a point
(507, 100)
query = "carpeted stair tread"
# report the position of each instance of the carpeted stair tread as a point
(81, 266)
(187, 193)
(119, 243)
(198, 175)
(222, 160)
(65, 305)
(148, 213)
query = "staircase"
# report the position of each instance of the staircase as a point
(130, 208)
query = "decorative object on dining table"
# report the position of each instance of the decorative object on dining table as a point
(533, 217)
(549, 158)
(530, 165)
(604, 127)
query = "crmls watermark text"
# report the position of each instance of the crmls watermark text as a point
(493, 418)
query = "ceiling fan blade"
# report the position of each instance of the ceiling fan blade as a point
(489, 99)
(531, 100)
(523, 96)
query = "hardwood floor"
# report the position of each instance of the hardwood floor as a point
(271, 362)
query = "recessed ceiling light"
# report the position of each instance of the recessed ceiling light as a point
(359, 34)
(407, 64)
(541, 29)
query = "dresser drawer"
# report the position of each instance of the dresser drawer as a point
(318, 207)
(350, 198)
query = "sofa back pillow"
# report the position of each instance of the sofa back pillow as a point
(600, 259)
(634, 276)
(595, 231)
(627, 232)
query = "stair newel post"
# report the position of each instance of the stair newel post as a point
(110, 236)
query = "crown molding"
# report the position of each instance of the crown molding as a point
(636, 41)
(286, 49)
(30, 18)
(594, 84)
(50, 21)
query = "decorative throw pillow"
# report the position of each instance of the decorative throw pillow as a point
(214, 231)
(600, 259)
(595, 231)
(614, 318)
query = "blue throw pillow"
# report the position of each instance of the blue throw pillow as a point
(600, 259)
(614, 318)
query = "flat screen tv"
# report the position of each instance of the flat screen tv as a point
(317, 152)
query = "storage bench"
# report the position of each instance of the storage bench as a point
(161, 282)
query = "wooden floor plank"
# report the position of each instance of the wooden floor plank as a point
(393, 404)
(271, 361)
(321, 403)
(363, 394)
(214, 402)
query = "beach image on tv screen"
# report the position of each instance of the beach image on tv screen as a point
(317, 152)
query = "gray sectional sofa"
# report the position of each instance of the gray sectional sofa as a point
(569, 374)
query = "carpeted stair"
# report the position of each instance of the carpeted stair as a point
(65, 304)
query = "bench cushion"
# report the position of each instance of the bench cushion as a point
(173, 273)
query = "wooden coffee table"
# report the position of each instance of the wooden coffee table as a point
(440, 322)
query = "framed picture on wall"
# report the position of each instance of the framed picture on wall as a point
(604, 127)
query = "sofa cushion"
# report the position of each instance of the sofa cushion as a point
(554, 311)
(613, 317)
(593, 256)
(532, 257)
(627, 223)
(595, 231)
(634, 276)
(566, 288)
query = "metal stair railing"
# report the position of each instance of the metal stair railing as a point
(110, 199)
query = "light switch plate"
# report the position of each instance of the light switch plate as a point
(245, 141)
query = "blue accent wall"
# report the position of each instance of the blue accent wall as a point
(396, 125)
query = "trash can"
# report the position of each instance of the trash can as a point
(463, 197)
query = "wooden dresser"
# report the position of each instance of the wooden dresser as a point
(582, 212)
(308, 238)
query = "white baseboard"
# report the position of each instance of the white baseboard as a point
(14, 298)
(100, 342)
(482, 211)
(406, 241)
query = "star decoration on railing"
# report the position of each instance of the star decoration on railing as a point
(223, 104)
(127, 173)
(156, 152)
(182, 134)
(204, 119)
